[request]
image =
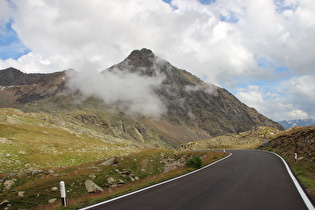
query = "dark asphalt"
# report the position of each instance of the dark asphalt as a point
(247, 180)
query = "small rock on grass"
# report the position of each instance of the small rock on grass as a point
(52, 200)
(91, 187)
(21, 193)
(4, 203)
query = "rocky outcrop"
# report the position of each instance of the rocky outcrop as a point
(8, 184)
(300, 140)
(111, 161)
(91, 187)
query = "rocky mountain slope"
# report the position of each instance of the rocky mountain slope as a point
(18, 88)
(300, 140)
(190, 108)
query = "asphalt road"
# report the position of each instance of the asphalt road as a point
(246, 180)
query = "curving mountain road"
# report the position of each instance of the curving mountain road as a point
(246, 180)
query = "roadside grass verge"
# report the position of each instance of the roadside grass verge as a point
(305, 173)
(144, 169)
(303, 170)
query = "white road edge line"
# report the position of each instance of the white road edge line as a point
(161, 183)
(305, 198)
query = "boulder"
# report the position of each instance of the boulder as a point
(301, 158)
(21, 193)
(8, 184)
(52, 200)
(54, 188)
(111, 180)
(120, 182)
(4, 203)
(111, 161)
(92, 176)
(91, 187)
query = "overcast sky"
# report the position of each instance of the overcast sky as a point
(261, 51)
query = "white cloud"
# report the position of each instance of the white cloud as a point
(130, 92)
(5, 14)
(220, 42)
(292, 99)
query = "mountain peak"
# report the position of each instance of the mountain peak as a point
(144, 52)
(141, 58)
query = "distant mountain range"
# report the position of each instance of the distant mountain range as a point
(299, 122)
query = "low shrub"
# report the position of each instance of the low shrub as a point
(194, 162)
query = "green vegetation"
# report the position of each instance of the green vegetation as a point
(194, 162)
(29, 141)
(130, 173)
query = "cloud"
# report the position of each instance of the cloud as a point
(193, 36)
(207, 88)
(118, 88)
(292, 99)
(5, 14)
(222, 42)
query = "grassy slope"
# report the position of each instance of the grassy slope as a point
(148, 166)
(34, 141)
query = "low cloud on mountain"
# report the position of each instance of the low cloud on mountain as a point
(130, 92)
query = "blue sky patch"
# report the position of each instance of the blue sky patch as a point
(231, 18)
(281, 6)
(207, 1)
(10, 44)
(201, 1)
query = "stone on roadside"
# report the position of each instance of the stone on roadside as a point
(111, 181)
(120, 182)
(52, 200)
(21, 193)
(92, 176)
(8, 184)
(111, 161)
(300, 158)
(91, 187)
(54, 188)
(4, 203)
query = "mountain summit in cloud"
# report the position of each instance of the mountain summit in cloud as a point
(173, 102)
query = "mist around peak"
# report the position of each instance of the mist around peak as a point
(126, 91)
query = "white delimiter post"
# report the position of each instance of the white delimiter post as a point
(63, 193)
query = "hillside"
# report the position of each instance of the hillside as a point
(113, 176)
(299, 140)
(245, 140)
(177, 105)
(30, 141)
